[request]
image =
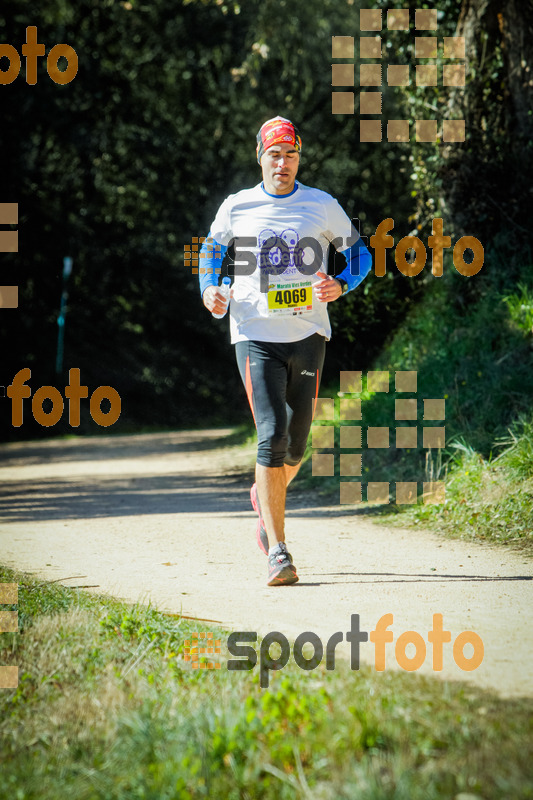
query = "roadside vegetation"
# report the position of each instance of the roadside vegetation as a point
(107, 707)
(471, 342)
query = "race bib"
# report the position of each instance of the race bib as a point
(290, 298)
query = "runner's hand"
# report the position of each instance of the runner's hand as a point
(327, 289)
(214, 300)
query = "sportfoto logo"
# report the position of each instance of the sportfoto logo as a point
(437, 637)
(448, 69)
(289, 254)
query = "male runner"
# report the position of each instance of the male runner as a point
(278, 314)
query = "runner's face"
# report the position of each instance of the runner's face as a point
(280, 165)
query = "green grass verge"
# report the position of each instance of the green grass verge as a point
(471, 344)
(107, 708)
(485, 500)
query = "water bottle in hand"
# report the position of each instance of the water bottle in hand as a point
(225, 289)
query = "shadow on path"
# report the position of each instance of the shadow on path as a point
(405, 578)
(94, 496)
(94, 448)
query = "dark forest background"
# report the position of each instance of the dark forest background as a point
(120, 168)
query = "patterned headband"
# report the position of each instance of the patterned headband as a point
(277, 131)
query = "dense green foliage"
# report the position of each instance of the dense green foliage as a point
(475, 350)
(124, 165)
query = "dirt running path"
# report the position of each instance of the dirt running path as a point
(167, 517)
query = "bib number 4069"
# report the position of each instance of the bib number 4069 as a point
(291, 297)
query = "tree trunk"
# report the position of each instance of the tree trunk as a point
(489, 178)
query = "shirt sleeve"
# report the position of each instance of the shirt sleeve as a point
(215, 246)
(345, 238)
(221, 226)
(210, 262)
(358, 264)
(340, 228)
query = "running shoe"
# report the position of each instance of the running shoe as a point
(261, 534)
(281, 570)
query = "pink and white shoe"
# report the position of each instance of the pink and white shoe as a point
(281, 570)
